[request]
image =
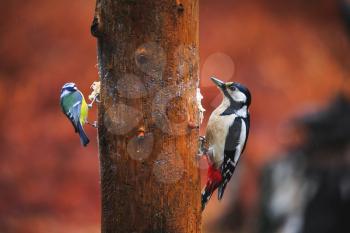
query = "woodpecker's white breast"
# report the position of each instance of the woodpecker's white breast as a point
(217, 130)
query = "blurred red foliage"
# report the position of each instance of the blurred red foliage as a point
(48, 182)
(293, 56)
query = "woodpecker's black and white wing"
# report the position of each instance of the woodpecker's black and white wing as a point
(234, 146)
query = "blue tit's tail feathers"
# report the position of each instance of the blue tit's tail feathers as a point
(72, 120)
(83, 138)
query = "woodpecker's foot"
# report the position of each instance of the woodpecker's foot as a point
(202, 148)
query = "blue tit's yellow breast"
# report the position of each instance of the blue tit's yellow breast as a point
(83, 112)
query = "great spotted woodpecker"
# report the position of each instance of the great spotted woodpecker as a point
(226, 136)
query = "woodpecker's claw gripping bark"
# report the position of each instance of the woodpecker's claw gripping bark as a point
(203, 146)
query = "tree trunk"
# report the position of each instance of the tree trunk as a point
(148, 67)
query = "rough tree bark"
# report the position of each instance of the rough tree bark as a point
(148, 67)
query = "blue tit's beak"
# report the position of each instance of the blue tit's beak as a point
(218, 83)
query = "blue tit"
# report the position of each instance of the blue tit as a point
(74, 106)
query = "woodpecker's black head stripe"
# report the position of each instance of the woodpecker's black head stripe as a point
(234, 106)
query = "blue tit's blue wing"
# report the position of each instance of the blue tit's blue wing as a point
(71, 106)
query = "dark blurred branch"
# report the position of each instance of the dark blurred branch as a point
(308, 190)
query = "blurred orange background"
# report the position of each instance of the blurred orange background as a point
(293, 55)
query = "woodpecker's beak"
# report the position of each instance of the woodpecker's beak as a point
(218, 83)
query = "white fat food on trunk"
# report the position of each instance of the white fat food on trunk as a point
(241, 142)
(200, 106)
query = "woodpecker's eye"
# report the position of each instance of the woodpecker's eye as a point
(232, 87)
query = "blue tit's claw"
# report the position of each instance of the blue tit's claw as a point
(98, 99)
(93, 124)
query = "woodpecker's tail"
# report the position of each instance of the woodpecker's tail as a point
(214, 180)
(206, 195)
(83, 138)
(229, 169)
(221, 190)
